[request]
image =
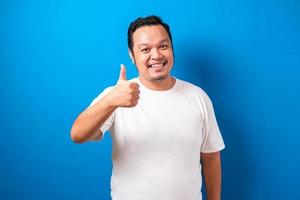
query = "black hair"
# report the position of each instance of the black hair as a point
(145, 21)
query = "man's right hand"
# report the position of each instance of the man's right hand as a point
(125, 93)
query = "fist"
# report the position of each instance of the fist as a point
(125, 93)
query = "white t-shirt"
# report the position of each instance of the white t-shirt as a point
(157, 144)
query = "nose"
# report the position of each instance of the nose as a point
(155, 53)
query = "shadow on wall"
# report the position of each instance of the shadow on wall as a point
(209, 67)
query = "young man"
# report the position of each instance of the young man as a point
(161, 127)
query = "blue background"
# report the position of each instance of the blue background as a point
(56, 57)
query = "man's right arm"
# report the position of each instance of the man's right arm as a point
(87, 124)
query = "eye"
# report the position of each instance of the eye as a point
(164, 46)
(145, 50)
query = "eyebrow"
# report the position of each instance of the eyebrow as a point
(145, 44)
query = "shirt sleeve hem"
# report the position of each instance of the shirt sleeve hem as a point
(217, 149)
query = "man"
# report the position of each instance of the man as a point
(161, 127)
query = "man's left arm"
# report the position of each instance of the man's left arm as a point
(211, 169)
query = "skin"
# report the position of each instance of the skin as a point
(153, 56)
(87, 124)
(152, 45)
(211, 170)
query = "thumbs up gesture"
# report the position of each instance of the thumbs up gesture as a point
(125, 93)
(122, 73)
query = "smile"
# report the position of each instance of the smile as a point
(157, 65)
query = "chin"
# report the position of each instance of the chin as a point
(158, 78)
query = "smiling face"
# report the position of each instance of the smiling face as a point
(152, 54)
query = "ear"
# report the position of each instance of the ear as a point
(131, 56)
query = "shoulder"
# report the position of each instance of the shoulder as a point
(192, 88)
(104, 92)
(195, 92)
(135, 79)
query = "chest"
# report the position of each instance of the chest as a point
(177, 121)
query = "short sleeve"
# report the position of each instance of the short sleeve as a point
(109, 122)
(212, 138)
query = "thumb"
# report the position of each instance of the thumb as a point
(122, 73)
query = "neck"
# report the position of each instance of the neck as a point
(159, 85)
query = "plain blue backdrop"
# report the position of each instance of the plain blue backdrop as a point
(56, 56)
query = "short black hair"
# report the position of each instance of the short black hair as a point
(145, 21)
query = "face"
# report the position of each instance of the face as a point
(152, 53)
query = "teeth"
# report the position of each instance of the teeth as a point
(157, 65)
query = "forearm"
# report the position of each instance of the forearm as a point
(87, 124)
(212, 174)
